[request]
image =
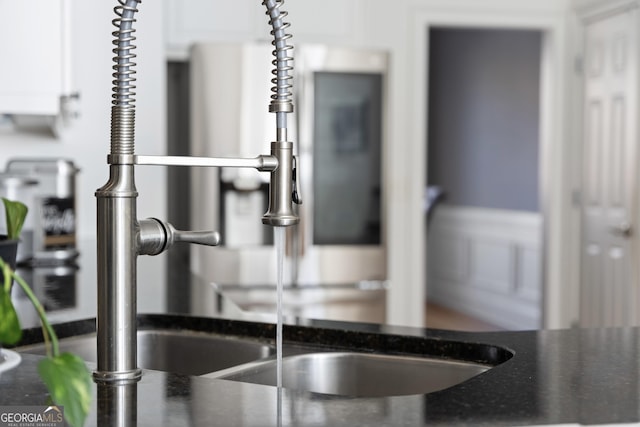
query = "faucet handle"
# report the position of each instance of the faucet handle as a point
(207, 238)
(157, 236)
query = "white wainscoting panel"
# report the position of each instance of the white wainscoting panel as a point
(487, 263)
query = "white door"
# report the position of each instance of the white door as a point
(610, 230)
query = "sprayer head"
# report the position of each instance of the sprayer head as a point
(282, 188)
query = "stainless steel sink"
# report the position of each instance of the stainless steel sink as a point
(184, 352)
(357, 374)
(305, 368)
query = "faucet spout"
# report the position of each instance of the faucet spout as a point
(122, 238)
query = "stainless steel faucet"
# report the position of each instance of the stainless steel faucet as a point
(122, 237)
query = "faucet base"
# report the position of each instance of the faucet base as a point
(107, 377)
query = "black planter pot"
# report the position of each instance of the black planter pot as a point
(8, 251)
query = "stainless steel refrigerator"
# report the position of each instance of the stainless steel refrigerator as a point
(339, 131)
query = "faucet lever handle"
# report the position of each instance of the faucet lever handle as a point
(157, 236)
(207, 238)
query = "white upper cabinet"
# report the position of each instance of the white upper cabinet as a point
(35, 75)
(327, 21)
(192, 21)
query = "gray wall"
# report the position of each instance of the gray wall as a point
(483, 117)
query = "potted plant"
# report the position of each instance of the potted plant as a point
(64, 374)
(16, 213)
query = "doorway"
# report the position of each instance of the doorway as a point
(485, 251)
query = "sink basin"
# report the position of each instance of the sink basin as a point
(183, 352)
(358, 374)
(195, 349)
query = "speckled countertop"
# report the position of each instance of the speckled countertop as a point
(581, 376)
(576, 376)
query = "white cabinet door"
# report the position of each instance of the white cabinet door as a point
(328, 21)
(193, 21)
(33, 76)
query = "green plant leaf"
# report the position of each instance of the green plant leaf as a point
(10, 331)
(69, 383)
(16, 213)
(8, 275)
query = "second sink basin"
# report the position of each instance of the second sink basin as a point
(183, 352)
(358, 374)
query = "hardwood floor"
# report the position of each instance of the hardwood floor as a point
(439, 317)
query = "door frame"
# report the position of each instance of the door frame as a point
(559, 306)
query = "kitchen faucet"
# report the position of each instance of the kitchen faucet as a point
(121, 237)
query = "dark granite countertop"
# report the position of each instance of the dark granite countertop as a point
(586, 376)
(578, 376)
